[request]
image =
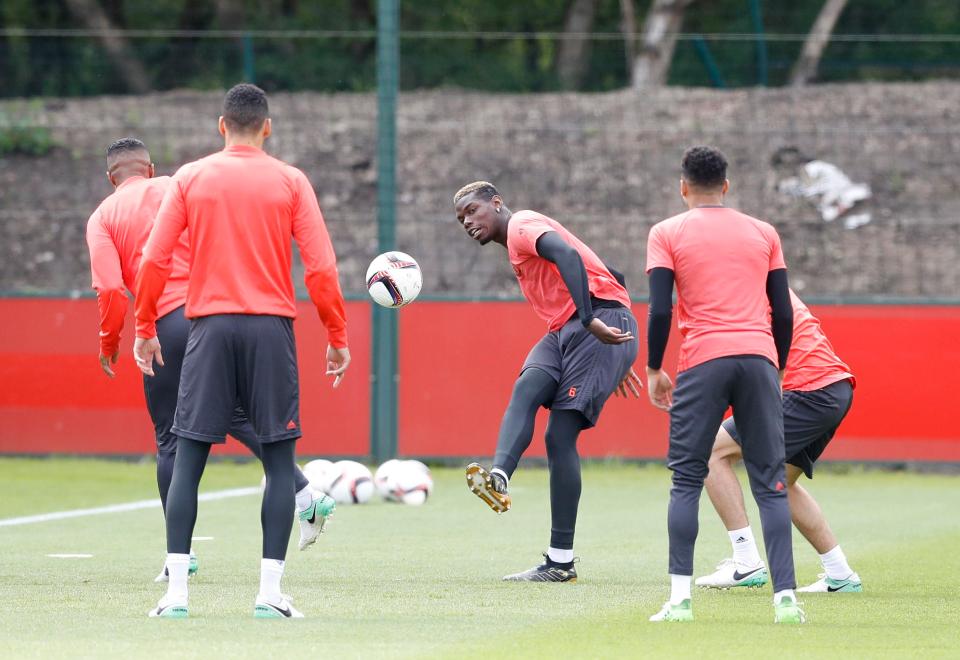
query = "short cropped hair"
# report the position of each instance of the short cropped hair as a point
(245, 108)
(703, 167)
(125, 145)
(484, 189)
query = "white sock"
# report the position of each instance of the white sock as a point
(177, 567)
(271, 570)
(744, 547)
(679, 588)
(560, 556)
(503, 474)
(835, 564)
(304, 498)
(777, 597)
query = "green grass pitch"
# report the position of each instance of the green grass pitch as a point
(394, 581)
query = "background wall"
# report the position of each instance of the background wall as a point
(458, 361)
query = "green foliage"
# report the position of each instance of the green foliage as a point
(467, 58)
(25, 138)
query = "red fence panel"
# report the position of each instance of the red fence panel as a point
(55, 398)
(458, 361)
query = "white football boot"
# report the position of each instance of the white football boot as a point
(729, 574)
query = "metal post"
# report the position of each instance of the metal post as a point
(383, 408)
(249, 71)
(703, 50)
(757, 19)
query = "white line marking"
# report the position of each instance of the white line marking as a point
(122, 508)
(70, 556)
(202, 538)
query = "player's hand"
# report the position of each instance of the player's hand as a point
(145, 351)
(338, 359)
(106, 361)
(660, 388)
(632, 382)
(608, 335)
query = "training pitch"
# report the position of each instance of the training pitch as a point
(394, 581)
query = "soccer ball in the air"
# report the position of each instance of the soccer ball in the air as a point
(394, 279)
(350, 483)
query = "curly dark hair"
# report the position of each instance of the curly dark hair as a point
(245, 108)
(703, 167)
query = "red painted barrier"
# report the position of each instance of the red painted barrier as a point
(55, 398)
(458, 361)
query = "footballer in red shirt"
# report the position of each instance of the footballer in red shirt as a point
(242, 209)
(817, 394)
(585, 356)
(736, 321)
(116, 233)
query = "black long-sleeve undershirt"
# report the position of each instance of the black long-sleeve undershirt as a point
(659, 316)
(568, 262)
(781, 313)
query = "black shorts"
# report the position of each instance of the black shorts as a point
(587, 371)
(241, 360)
(810, 420)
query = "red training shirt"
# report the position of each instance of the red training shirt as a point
(116, 233)
(242, 207)
(812, 363)
(539, 278)
(720, 259)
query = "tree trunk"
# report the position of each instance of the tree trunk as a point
(659, 39)
(574, 52)
(230, 14)
(93, 17)
(805, 69)
(629, 28)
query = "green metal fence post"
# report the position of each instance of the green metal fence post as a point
(703, 50)
(249, 69)
(383, 408)
(757, 17)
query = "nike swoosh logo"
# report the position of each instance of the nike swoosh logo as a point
(737, 575)
(287, 613)
(832, 589)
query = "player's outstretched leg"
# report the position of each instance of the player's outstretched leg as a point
(181, 518)
(565, 485)
(275, 513)
(533, 389)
